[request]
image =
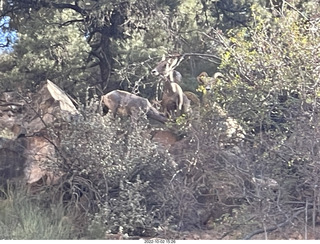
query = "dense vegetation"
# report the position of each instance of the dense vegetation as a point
(120, 182)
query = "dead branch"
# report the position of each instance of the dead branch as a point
(270, 229)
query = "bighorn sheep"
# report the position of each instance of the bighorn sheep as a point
(127, 104)
(205, 84)
(166, 68)
(206, 81)
(173, 98)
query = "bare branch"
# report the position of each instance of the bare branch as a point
(6, 44)
(70, 22)
(284, 223)
(200, 55)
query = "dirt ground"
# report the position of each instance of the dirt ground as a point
(289, 233)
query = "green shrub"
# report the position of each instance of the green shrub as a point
(118, 168)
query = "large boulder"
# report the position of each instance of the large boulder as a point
(40, 157)
(47, 105)
(25, 147)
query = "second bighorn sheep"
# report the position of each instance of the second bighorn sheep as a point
(173, 98)
(205, 83)
(127, 104)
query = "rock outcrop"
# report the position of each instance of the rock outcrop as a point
(24, 145)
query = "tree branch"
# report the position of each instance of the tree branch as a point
(201, 55)
(262, 230)
(69, 22)
(6, 44)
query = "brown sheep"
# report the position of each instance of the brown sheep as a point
(127, 104)
(206, 81)
(173, 98)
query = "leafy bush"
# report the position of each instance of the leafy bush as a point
(271, 90)
(113, 163)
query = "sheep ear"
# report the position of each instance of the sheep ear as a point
(163, 57)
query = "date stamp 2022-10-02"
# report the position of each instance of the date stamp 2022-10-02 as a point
(159, 241)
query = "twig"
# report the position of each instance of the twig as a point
(262, 230)
(293, 7)
(200, 55)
